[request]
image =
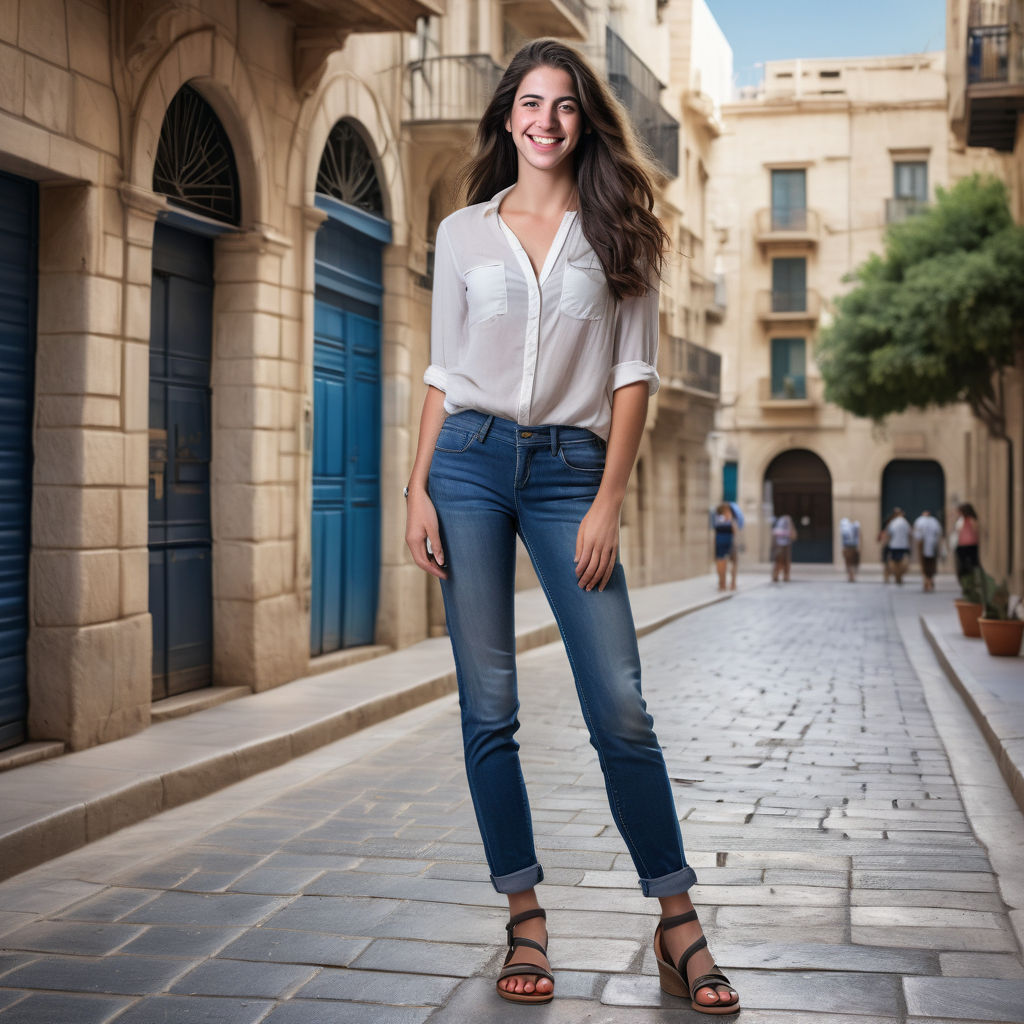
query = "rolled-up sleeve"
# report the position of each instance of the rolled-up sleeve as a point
(447, 311)
(635, 353)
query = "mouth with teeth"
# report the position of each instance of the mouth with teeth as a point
(544, 141)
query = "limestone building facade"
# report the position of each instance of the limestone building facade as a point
(216, 222)
(806, 175)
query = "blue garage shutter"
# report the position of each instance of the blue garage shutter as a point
(18, 203)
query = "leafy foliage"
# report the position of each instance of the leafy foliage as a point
(935, 318)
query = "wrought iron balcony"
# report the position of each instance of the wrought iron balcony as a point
(790, 392)
(693, 368)
(995, 80)
(787, 226)
(639, 90)
(451, 89)
(792, 304)
(900, 208)
(566, 19)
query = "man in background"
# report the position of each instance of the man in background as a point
(849, 537)
(928, 535)
(898, 536)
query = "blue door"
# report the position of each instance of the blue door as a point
(17, 358)
(180, 577)
(346, 428)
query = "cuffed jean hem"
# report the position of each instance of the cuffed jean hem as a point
(519, 881)
(669, 885)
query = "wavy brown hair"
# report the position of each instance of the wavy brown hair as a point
(614, 186)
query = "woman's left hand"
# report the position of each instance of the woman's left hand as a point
(597, 544)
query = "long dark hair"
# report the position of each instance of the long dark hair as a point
(613, 177)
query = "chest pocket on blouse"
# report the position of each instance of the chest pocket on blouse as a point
(486, 296)
(583, 291)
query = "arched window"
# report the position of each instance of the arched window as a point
(347, 171)
(195, 165)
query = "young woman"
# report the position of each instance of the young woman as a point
(543, 351)
(725, 542)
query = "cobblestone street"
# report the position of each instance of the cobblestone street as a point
(840, 876)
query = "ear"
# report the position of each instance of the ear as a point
(508, 124)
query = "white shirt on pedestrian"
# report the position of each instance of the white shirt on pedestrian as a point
(899, 534)
(928, 530)
(547, 348)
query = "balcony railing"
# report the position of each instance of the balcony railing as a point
(785, 224)
(451, 88)
(902, 207)
(790, 392)
(637, 87)
(788, 304)
(694, 367)
(995, 74)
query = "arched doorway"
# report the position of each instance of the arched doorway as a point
(195, 169)
(346, 394)
(18, 233)
(800, 486)
(914, 485)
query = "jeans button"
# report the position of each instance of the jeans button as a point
(526, 433)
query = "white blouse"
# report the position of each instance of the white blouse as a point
(547, 349)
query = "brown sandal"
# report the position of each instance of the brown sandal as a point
(510, 970)
(674, 980)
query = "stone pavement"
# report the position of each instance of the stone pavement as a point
(806, 732)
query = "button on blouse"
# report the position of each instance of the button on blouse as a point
(547, 348)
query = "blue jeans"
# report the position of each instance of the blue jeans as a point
(491, 479)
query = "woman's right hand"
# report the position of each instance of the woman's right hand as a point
(420, 527)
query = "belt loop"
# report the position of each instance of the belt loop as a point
(554, 440)
(481, 434)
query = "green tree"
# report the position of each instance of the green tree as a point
(938, 317)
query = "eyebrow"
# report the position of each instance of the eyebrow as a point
(537, 96)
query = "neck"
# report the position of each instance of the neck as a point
(544, 193)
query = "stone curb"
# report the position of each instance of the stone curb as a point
(60, 829)
(977, 700)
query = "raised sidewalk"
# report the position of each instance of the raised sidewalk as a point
(992, 688)
(51, 807)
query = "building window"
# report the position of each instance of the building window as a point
(789, 200)
(347, 171)
(789, 285)
(910, 180)
(195, 166)
(789, 368)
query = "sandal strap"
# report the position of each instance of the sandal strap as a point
(526, 915)
(711, 980)
(674, 922)
(519, 941)
(510, 970)
(701, 943)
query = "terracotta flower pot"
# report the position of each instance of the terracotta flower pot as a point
(969, 613)
(1002, 636)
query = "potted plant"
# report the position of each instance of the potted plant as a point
(1000, 628)
(969, 607)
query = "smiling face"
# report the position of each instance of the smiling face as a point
(545, 120)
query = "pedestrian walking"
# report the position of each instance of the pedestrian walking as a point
(725, 542)
(928, 536)
(737, 544)
(543, 352)
(783, 536)
(897, 534)
(883, 539)
(965, 539)
(849, 538)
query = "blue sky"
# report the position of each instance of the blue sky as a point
(760, 30)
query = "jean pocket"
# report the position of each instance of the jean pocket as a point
(584, 291)
(583, 456)
(486, 294)
(451, 439)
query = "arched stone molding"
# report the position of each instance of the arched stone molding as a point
(343, 95)
(211, 64)
(789, 444)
